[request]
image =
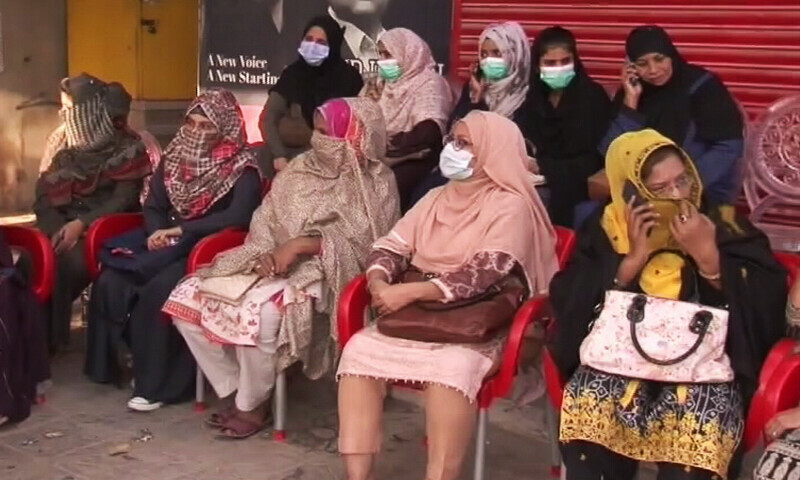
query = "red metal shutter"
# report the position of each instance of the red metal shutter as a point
(754, 46)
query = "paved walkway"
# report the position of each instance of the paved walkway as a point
(73, 435)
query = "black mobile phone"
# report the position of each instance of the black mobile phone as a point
(629, 191)
(633, 81)
(478, 72)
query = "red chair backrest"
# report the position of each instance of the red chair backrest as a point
(792, 263)
(565, 245)
(44, 260)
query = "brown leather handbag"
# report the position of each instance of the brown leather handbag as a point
(473, 320)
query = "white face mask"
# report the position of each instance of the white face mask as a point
(454, 164)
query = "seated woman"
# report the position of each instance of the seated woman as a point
(499, 83)
(684, 102)
(416, 102)
(23, 346)
(271, 302)
(207, 181)
(567, 115)
(609, 422)
(486, 224)
(93, 166)
(317, 76)
(781, 461)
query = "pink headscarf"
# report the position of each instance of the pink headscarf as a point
(497, 209)
(336, 114)
(420, 93)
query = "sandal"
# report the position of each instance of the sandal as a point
(237, 428)
(218, 419)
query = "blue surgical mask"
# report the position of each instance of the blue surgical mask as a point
(455, 164)
(494, 68)
(313, 53)
(557, 78)
(390, 69)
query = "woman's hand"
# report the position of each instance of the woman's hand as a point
(640, 219)
(391, 298)
(631, 85)
(280, 163)
(265, 265)
(373, 89)
(67, 236)
(284, 257)
(477, 86)
(787, 420)
(697, 236)
(163, 238)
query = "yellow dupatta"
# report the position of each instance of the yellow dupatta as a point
(661, 277)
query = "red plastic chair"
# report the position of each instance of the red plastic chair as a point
(353, 305)
(44, 259)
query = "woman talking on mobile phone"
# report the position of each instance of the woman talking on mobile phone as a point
(684, 102)
(499, 82)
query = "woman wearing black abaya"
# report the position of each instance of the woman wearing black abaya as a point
(319, 75)
(207, 181)
(686, 103)
(23, 352)
(568, 115)
(610, 422)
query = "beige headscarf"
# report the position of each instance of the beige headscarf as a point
(506, 96)
(420, 93)
(497, 209)
(341, 191)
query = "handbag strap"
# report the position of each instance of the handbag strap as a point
(698, 325)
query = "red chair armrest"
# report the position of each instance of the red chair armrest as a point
(353, 301)
(782, 390)
(500, 384)
(792, 263)
(104, 229)
(44, 260)
(206, 249)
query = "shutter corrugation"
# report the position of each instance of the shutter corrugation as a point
(753, 45)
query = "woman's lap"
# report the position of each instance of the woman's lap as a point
(461, 367)
(698, 425)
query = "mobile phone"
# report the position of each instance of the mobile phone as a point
(634, 80)
(629, 191)
(477, 72)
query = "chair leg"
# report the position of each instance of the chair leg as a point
(199, 392)
(280, 407)
(552, 429)
(480, 444)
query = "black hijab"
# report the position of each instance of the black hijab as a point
(692, 94)
(581, 118)
(310, 86)
(566, 136)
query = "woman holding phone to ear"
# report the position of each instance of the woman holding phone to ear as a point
(684, 102)
(610, 422)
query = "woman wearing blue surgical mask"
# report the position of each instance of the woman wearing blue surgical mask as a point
(319, 75)
(567, 115)
(499, 83)
(415, 101)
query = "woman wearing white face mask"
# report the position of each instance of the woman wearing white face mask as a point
(567, 115)
(499, 83)
(483, 227)
(319, 75)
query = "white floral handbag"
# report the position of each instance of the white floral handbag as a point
(658, 339)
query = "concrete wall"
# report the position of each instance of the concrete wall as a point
(34, 50)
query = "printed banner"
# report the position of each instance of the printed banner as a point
(247, 43)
